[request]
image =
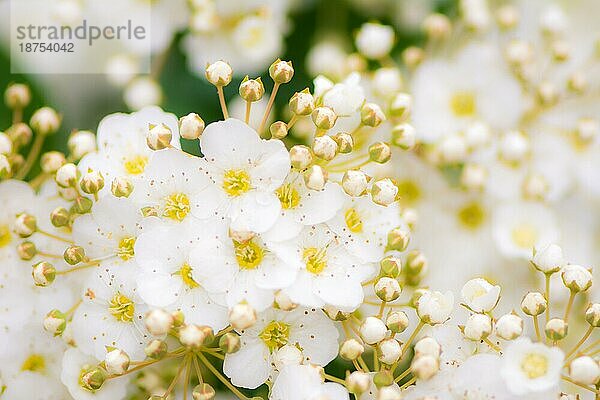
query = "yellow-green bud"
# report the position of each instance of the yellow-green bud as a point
(203, 391)
(371, 115)
(26, 250)
(55, 322)
(229, 343)
(383, 378)
(380, 152)
(82, 205)
(252, 90)
(92, 182)
(278, 130)
(121, 187)
(17, 96)
(60, 217)
(156, 349)
(281, 71)
(397, 239)
(43, 273)
(592, 315)
(345, 142)
(93, 379)
(556, 329)
(25, 225)
(390, 266)
(397, 321)
(159, 136)
(324, 118)
(416, 262)
(74, 255)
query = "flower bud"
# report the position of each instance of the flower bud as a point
(478, 327)
(82, 205)
(371, 115)
(372, 330)
(45, 121)
(74, 255)
(43, 273)
(534, 303)
(380, 152)
(473, 177)
(548, 259)
(20, 134)
(324, 118)
(159, 136)
(325, 147)
(437, 26)
(351, 349)
(383, 378)
(116, 362)
(584, 370)
(17, 96)
(391, 392)
(413, 56)
(26, 250)
(302, 103)
(434, 307)
(278, 130)
(592, 315)
(397, 239)
(158, 322)
(93, 379)
(335, 314)
(387, 289)
(25, 225)
(203, 391)
(81, 143)
(242, 316)
(384, 192)
(397, 321)
(480, 295)
(5, 167)
(507, 16)
(52, 161)
(287, 355)
(355, 182)
(66, 176)
(55, 322)
(404, 136)
(219, 73)
(344, 141)
(424, 367)
(60, 217)
(121, 187)
(428, 346)
(358, 382)
(156, 349)
(6, 146)
(416, 263)
(401, 106)
(251, 90)
(301, 156)
(229, 343)
(556, 329)
(191, 126)
(374, 40)
(315, 177)
(283, 301)
(390, 266)
(389, 351)
(576, 278)
(92, 182)
(281, 71)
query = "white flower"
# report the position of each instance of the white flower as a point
(242, 271)
(531, 367)
(363, 226)
(74, 364)
(304, 382)
(449, 96)
(435, 307)
(111, 314)
(584, 370)
(301, 206)
(479, 295)
(166, 276)
(375, 40)
(174, 187)
(328, 273)
(307, 329)
(121, 141)
(246, 171)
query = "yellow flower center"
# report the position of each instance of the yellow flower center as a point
(186, 276)
(315, 259)
(524, 235)
(248, 254)
(253, 37)
(135, 165)
(125, 250)
(463, 104)
(534, 365)
(408, 192)
(121, 307)
(471, 216)
(177, 206)
(288, 196)
(5, 236)
(236, 182)
(353, 221)
(275, 335)
(34, 363)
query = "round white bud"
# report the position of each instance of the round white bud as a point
(389, 351)
(242, 316)
(453, 149)
(301, 156)
(219, 73)
(384, 192)
(548, 259)
(534, 303)
(158, 322)
(52, 161)
(391, 392)
(315, 177)
(592, 315)
(397, 321)
(325, 147)
(281, 71)
(66, 176)
(374, 40)
(478, 327)
(191, 126)
(387, 289)
(434, 307)
(6, 144)
(576, 278)
(371, 115)
(302, 103)
(428, 346)
(92, 182)
(324, 118)
(192, 335)
(437, 26)
(351, 349)
(25, 225)
(556, 329)
(45, 121)
(358, 382)
(17, 96)
(116, 362)
(584, 370)
(401, 106)
(424, 367)
(81, 143)
(509, 327)
(386, 82)
(121, 187)
(251, 90)
(355, 182)
(473, 177)
(159, 136)
(372, 330)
